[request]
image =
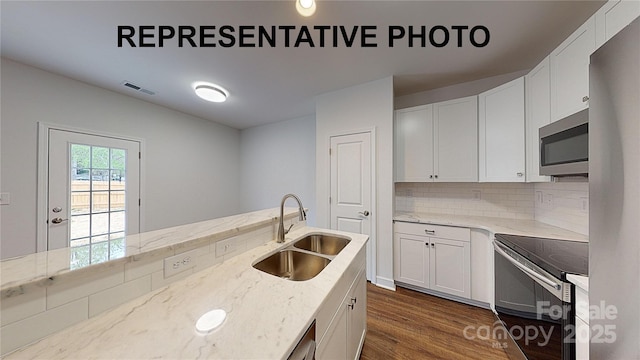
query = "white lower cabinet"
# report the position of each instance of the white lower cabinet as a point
(433, 257)
(341, 323)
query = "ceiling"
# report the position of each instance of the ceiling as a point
(78, 39)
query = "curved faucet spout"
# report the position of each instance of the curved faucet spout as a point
(303, 216)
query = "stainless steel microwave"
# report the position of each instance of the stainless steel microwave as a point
(564, 146)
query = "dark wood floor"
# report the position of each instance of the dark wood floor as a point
(406, 324)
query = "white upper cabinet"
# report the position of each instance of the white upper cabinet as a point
(501, 132)
(437, 142)
(537, 84)
(570, 72)
(414, 144)
(455, 140)
(613, 17)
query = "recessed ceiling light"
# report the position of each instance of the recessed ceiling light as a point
(211, 92)
(306, 7)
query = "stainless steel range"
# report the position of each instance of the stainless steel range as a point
(534, 300)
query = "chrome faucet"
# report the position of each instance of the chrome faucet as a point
(303, 216)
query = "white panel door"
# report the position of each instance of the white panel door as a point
(350, 208)
(93, 189)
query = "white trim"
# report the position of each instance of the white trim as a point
(386, 283)
(373, 256)
(43, 175)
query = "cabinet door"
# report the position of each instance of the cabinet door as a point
(570, 72)
(537, 83)
(414, 144)
(449, 272)
(335, 345)
(613, 17)
(357, 324)
(411, 259)
(455, 128)
(501, 133)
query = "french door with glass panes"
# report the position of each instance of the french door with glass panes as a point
(93, 195)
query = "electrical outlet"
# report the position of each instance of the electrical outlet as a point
(476, 195)
(548, 200)
(585, 204)
(225, 247)
(5, 198)
(178, 263)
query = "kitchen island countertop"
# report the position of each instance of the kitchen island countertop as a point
(266, 315)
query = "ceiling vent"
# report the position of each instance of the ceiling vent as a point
(135, 87)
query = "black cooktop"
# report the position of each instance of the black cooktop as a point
(558, 257)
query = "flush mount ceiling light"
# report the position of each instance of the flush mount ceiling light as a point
(211, 92)
(306, 7)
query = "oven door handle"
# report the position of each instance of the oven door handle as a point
(528, 271)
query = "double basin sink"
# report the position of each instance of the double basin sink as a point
(305, 259)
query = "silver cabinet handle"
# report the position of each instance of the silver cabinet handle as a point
(364, 213)
(430, 176)
(430, 232)
(58, 220)
(520, 174)
(436, 176)
(585, 99)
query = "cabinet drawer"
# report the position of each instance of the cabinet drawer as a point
(445, 232)
(582, 304)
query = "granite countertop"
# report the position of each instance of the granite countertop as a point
(266, 315)
(494, 225)
(40, 267)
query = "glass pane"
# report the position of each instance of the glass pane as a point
(99, 224)
(117, 222)
(101, 238)
(117, 180)
(79, 226)
(80, 162)
(100, 201)
(100, 180)
(118, 158)
(80, 242)
(99, 252)
(99, 158)
(79, 257)
(117, 246)
(117, 201)
(80, 202)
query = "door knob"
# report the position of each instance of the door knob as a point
(364, 213)
(58, 220)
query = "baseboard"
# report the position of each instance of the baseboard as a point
(386, 283)
(459, 299)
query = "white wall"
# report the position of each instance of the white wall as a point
(191, 165)
(455, 91)
(278, 159)
(356, 108)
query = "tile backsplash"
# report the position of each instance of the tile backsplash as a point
(561, 204)
(504, 200)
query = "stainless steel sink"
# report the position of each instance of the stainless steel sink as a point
(323, 244)
(293, 265)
